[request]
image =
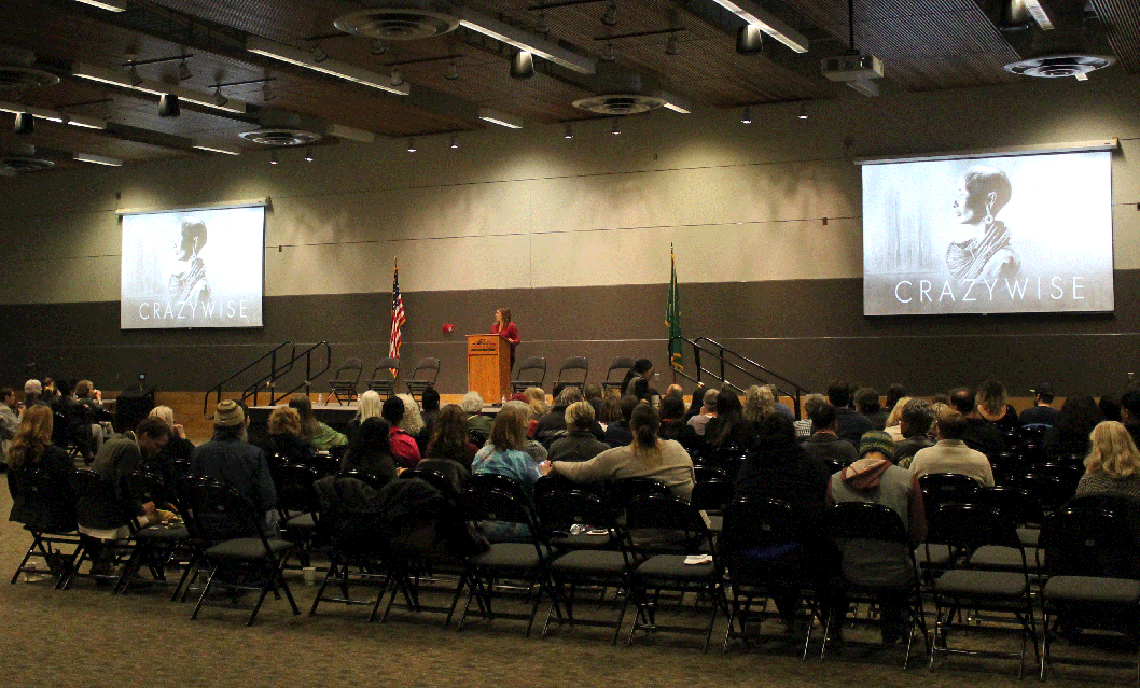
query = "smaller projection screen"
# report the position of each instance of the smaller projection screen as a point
(1017, 233)
(193, 268)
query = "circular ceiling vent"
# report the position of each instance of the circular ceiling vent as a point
(1059, 66)
(280, 137)
(25, 163)
(619, 104)
(15, 76)
(400, 21)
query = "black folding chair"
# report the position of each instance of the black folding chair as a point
(864, 529)
(383, 380)
(765, 554)
(346, 381)
(568, 374)
(621, 366)
(490, 497)
(982, 586)
(530, 373)
(240, 556)
(621, 491)
(670, 539)
(54, 539)
(423, 377)
(101, 507)
(1092, 555)
(156, 545)
(945, 488)
(297, 508)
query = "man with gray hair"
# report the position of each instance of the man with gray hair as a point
(472, 405)
(914, 424)
(708, 412)
(803, 426)
(32, 391)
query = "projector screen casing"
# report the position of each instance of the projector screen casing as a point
(1053, 255)
(193, 268)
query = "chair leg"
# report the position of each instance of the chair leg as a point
(205, 591)
(324, 584)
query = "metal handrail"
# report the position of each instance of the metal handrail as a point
(719, 352)
(307, 354)
(274, 373)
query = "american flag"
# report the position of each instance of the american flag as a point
(396, 337)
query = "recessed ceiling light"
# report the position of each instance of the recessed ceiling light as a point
(608, 52)
(616, 131)
(273, 159)
(454, 141)
(396, 78)
(569, 131)
(411, 144)
(746, 116)
(308, 155)
(803, 112)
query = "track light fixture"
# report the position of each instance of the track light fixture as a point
(746, 116)
(378, 47)
(396, 79)
(218, 97)
(672, 46)
(522, 65)
(608, 53)
(609, 17)
(184, 73)
(133, 75)
(569, 134)
(616, 131)
(273, 159)
(319, 55)
(454, 141)
(803, 112)
(749, 39)
(168, 105)
(452, 73)
(541, 26)
(308, 155)
(411, 144)
(25, 125)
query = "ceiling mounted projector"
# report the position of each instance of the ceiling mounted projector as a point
(400, 21)
(860, 72)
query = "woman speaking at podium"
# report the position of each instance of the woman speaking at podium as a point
(507, 330)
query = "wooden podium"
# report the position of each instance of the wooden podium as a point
(489, 366)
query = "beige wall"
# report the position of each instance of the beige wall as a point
(530, 209)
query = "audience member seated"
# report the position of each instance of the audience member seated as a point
(404, 448)
(413, 422)
(781, 408)
(369, 405)
(825, 443)
(950, 454)
(874, 479)
(779, 468)
(553, 425)
(1109, 405)
(33, 392)
(1070, 435)
(637, 379)
(993, 407)
(706, 412)
(729, 427)
(285, 443)
(505, 454)
(429, 412)
(647, 456)
(472, 405)
(592, 395)
(850, 423)
(579, 444)
(1130, 413)
(9, 423)
(370, 451)
(915, 421)
(803, 425)
(893, 427)
(178, 448)
(608, 412)
(696, 404)
(316, 433)
(242, 466)
(673, 426)
(980, 434)
(894, 393)
(450, 439)
(1113, 464)
(536, 401)
(867, 403)
(618, 433)
(759, 403)
(1042, 411)
(38, 476)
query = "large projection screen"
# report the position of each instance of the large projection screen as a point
(1015, 233)
(193, 268)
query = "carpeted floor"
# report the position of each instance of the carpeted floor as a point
(88, 637)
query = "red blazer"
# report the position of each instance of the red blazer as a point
(511, 334)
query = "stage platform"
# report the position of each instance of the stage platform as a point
(336, 416)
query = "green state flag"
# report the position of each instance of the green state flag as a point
(673, 316)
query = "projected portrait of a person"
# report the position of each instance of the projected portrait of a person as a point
(187, 282)
(981, 249)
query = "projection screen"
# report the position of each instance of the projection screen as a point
(1016, 233)
(193, 268)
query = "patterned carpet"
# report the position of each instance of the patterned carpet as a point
(88, 637)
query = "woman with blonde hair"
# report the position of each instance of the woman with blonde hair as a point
(38, 476)
(369, 405)
(893, 427)
(1113, 464)
(536, 400)
(647, 456)
(413, 422)
(178, 448)
(579, 444)
(759, 403)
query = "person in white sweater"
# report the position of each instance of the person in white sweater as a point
(950, 454)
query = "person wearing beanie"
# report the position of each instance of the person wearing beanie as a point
(877, 443)
(242, 466)
(950, 454)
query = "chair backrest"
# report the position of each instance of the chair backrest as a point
(1012, 502)
(753, 523)
(477, 437)
(97, 500)
(653, 513)
(1048, 491)
(385, 367)
(558, 510)
(712, 494)
(945, 488)
(966, 527)
(218, 512)
(1067, 471)
(620, 492)
(1092, 538)
(437, 479)
(374, 481)
(146, 487)
(574, 363)
(427, 370)
(350, 370)
(621, 364)
(491, 497)
(531, 363)
(702, 473)
(867, 521)
(294, 483)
